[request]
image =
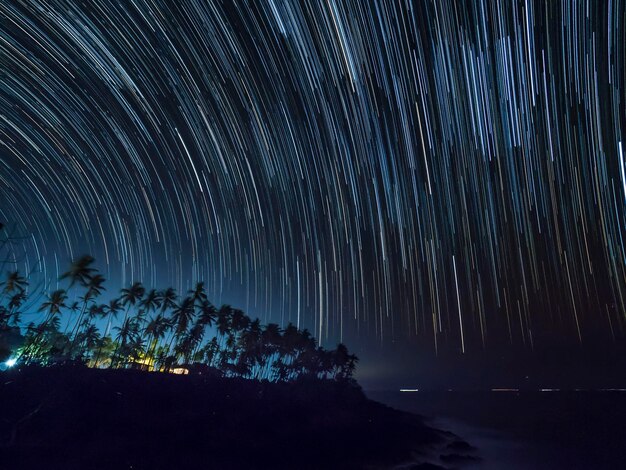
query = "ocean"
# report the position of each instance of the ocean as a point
(527, 429)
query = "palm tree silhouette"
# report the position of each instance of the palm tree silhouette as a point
(158, 330)
(16, 302)
(72, 308)
(198, 293)
(130, 296)
(54, 304)
(151, 302)
(155, 330)
(211, 350)
(168, 299)
(15, 282)
(106, 348)
(127, 333)
(271, 339)
(223, 322)
(80, 270)
(136, 348)
(207, 314)
(52, 307)
(251, 344)
(89, 339)
(94, 285)
(112, 309)
(182, 315)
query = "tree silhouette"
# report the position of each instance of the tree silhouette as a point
(126, 333)
(52, 306)
(155, 330)
(80, 270)
(131, 295)
(94, 285)
(158, 332)
(15, 283)
(151, 302)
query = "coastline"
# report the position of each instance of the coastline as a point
(527, 429)
(75, 417)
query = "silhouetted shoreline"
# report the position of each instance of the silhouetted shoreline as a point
(73, 417)
(531, 430)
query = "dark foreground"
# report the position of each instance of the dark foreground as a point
(78, 418)
(529, 430)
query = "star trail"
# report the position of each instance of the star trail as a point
(449, 171)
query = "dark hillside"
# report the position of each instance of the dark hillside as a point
(73, 417)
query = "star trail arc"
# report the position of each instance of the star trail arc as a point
(452, 171)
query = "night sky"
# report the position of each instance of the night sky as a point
(430, 182)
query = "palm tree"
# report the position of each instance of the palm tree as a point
(5, 317)
(136, 348)
(168, 299)
(96, 310)
(223, 321)
(239, 321)
(106, 348)
(250, 347)
(95, 287)
(43, 341)
(15, 286)
(182, 315)
(211, 351)
(351, 366)
(206, 318)
(112, 310)
(53, 306)
(89, 339)
(131, 295)
(156, 330)
(288, 348)
(227, 354)
(198, 293)
(309, 362)
(72, 308)
(208, 313)
(240, 346)
(16, 301)
(80, 270)
(15, 282)
(271, 339)
(127, 332)
(196, 334)
(183, 348)
(151, 302)
(296, 349)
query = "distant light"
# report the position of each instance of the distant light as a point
(409, 390)
(11, 362)
(505, 389)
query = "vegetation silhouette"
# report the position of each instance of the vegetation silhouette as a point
(159, 331)
(250, 387)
